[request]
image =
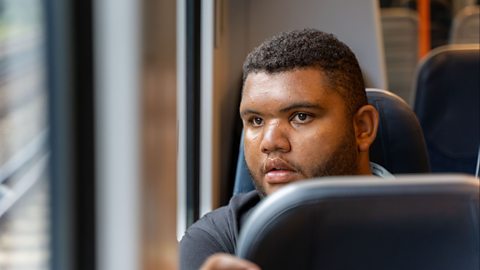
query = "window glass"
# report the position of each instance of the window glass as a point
(24, 195)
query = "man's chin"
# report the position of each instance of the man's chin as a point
(268, 186)
(269, 189)
(272, 189)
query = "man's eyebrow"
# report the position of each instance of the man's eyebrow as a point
(297, 105)
(301, 105)
(248, 111)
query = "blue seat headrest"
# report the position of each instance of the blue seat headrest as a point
(417, 222)
(447, 104)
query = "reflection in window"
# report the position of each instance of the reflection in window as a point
(24, 196)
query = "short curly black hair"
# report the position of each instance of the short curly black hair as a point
(312, 48)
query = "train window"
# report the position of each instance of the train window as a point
(24, 188)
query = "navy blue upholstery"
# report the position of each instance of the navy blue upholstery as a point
(414, 222)
(447, 104)
(399, 146)
(243, 180)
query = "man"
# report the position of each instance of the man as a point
(305, 114)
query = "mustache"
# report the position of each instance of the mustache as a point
(272, 163)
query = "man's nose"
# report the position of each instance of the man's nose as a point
(275, 138)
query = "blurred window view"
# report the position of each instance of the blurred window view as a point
(24, 196)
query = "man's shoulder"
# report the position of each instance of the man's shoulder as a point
(215, 232)
(228, 215)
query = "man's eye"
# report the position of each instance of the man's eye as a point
(257, 121)
(301, 118)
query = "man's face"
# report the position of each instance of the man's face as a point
(295, 128)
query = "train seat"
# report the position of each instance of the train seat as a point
(466, 26)
(399, 146)
(417, 222)
(400, 31)
(440, 19)
(447, 104)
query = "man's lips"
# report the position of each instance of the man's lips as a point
(278, 171)
(279, 176)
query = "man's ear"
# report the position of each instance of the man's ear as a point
(365, 122)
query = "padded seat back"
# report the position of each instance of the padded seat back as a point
(413, 222)
(447, 104)
(400, 41)
(466, 26)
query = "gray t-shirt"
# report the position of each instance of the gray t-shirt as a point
(218, 230)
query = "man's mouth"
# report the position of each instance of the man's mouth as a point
(278, 171)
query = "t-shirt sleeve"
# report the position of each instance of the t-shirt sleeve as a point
(216, 232)
(208, 236)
